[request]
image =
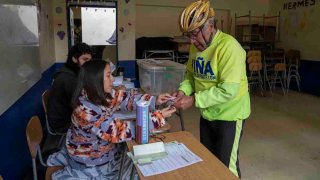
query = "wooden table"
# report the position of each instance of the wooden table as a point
(209, 168)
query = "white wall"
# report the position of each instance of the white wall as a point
(160, 18)
(299, 28)
(46, 37)
(127, 38)
(59, 24)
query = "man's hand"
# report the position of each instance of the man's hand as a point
(178, 93)
(184, 102)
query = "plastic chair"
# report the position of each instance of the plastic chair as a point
(34, 138)
(51, 170)
(45, 98)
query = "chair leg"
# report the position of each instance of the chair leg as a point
(250, 82)
(34, 168)
(181, 120)
(132, 173)
(40, 157)
(288, 83)
(61, 140)
(261, 84)
(285, 80)
(270, 85)
(283, 88)
(122, 161)
(298, 76)
(298, 83)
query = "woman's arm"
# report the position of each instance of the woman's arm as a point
(99, 120)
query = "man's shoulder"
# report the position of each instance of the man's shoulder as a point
(64, 77)
(64, 72)
(227, 39)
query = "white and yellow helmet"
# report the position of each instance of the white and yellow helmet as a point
(195, 15)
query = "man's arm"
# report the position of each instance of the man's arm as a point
(187, 85)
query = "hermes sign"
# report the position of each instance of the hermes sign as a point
(298, 4)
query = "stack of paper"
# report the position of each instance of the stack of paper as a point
(178, 156)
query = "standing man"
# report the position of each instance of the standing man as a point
(215, 82)
(64, 84)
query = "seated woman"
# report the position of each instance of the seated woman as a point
(91, 151)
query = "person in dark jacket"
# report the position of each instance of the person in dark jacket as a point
(63, 86)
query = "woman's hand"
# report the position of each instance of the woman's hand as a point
(163, 98)
(168, 111)
(121, 87)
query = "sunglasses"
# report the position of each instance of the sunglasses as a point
(193, 34)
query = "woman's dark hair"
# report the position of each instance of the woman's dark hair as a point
(76, 51)
(90, 79)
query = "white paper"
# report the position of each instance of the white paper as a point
(178, 156)
(151, 148)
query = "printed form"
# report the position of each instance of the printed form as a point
(178, 156)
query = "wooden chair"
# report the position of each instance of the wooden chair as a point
(34, 138)
(254, 61)
(277, 78)
(51, 170)
(275, 69)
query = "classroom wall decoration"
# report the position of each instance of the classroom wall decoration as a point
(298, 4)
(61, 34)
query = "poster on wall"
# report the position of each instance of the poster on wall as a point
(19, 25)
(99, 26)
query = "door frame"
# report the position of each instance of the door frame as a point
(98, 4)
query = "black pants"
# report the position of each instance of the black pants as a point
(222, 138)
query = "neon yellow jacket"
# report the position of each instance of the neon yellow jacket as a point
(217, 77)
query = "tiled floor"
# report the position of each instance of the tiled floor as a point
(281, 138)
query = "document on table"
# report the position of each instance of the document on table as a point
(178, 156)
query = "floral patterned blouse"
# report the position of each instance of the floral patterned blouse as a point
(95, 129)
